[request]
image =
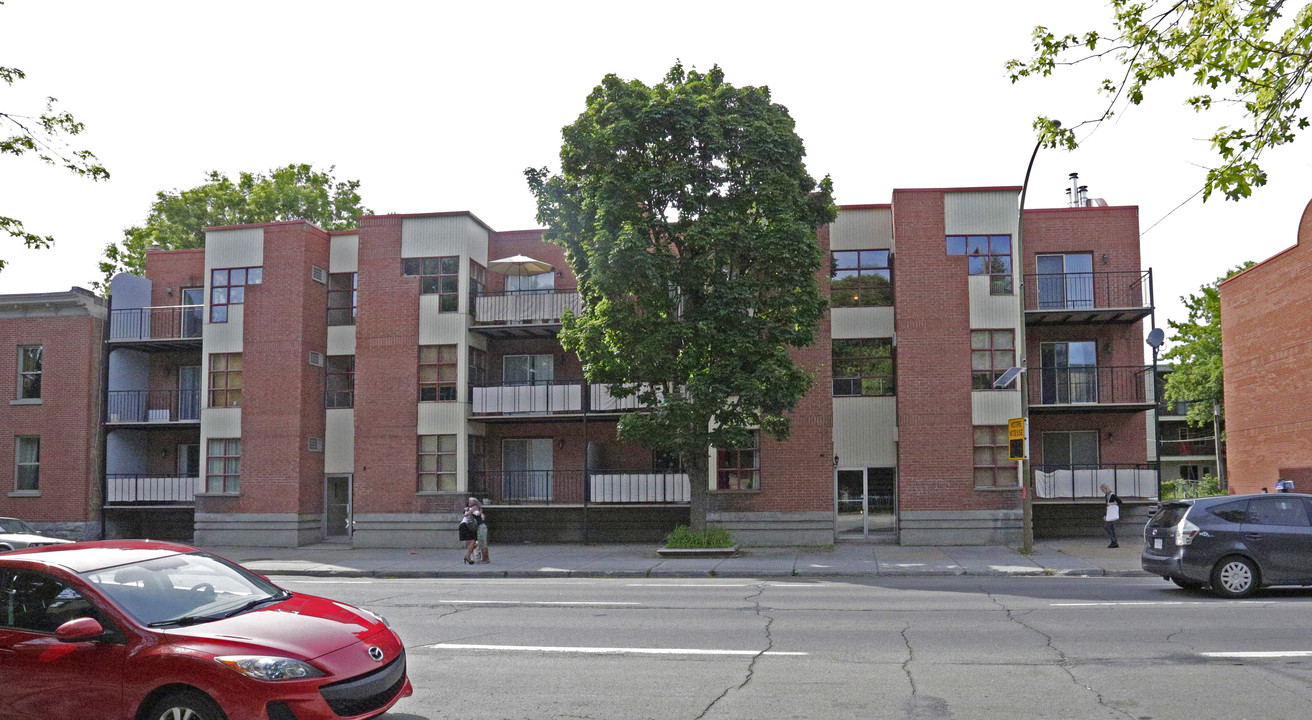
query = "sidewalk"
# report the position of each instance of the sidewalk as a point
(1086, 557)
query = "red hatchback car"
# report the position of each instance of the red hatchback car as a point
(145, 630)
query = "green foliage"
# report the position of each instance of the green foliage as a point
(1237, 52)
(1196, 352)
(294, 192)
(43, 136)
(1183, 489)
(690, 220)
(685, 538)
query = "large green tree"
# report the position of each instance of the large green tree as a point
(176, 219)
(1196, 352)
(1253, 56)
(690, 220)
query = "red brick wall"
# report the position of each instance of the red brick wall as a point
(530, 243)
(171, 270)
(1266, 328)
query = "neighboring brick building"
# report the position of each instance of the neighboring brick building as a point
(1266, 331)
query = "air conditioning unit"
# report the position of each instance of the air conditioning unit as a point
(318, 274)
(315, 444)
(316, 358)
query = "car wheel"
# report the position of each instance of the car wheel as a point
(1187, 584)
(1234, 577)
(186, 706)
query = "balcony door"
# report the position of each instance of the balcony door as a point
(1070, 372)
(527, 369)
(1072, 450)
(1066, 281)
(526, 466)
(189, 392)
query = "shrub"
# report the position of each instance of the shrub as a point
(684, 538)
(1181, 489)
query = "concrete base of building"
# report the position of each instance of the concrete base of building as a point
(961, 527)
(1084, 519)
(175, 524)
(776, 529)
(258, 529)
(524, 524)
(68, 530)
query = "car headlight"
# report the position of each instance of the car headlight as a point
(266, 667)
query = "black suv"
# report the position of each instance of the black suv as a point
(1234, 544)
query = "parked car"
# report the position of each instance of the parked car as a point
(16, 534)
(1233, 544)
(159, 631)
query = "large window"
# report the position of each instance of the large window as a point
(992, 352)
(438, 365)
(343, 292)
(223, 465)
(1070, 450)
(339, 391)
(27, 463)
(437, 463)
(860, 278)
(225, 380)
(528, 369)
(437, 276)
(863, 367)
(228, 287)
(1065, 282)
(989, 255)
(29, 372)
(993, 469)
(1070, 372)
(739, 468)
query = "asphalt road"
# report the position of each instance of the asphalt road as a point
(954, 647)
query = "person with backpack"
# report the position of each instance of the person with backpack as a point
(469, 523)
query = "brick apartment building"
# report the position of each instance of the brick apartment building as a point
(1266, 331)
(287, 385)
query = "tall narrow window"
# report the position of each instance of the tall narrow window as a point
(437, 276)
(860, 278)
(228, 287)
(477, 283)
(1070, 372)
(863, 367)
(29, 372)
(343, 292)
(27, 463)
(339, 391)
(223, 465)
(438, 365)
(477, 366)
(992, 352)
(739, 468)
(225, 380)
(437, 463)
(992, 466)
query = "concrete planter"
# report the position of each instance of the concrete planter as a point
(698, 552)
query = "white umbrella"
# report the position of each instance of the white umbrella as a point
(519, 265)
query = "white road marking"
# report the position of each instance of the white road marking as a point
(1161, 602)
(607, 650)
(531, 602)
(689, 585)
(1259, 654)
(285, 579)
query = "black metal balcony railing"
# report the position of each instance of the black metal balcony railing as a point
(1068, 482)
(151, 490)
(555, 487)
(173, 322)
(151, 406)
(524, 307)
(1089, 290)
(1174, 408)
(1101, 385)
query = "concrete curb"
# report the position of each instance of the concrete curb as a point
(681, 573)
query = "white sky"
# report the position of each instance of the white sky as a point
(440, 106)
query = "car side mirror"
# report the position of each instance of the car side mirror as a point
(79, 630)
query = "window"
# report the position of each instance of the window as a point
(339, 390)
(27, 463)
(1231, 512)
(29, 372)
(477, 366)
(528, 369)
(863, 367)
(36, 602)
(437, 276)
(437, 463)
(860, 278)
(539, 283)
(343, 292)
(1073, 450)
(993, 469)
(992, 352)
(437, 373)
(1282, 511)
(1065, 281)
(739, 468)
(193, 311)
(223, 468)
(477, 282)
(225, 380)
(989, 255)
(228, 287)
(1070, 372)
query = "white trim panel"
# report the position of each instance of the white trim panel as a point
(861, 322)
(865, 431)
(339, 441)
(862, 229)
(343, 253)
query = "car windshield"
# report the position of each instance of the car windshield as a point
(183, 589)
(13, 526)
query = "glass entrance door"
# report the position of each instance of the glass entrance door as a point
(866, 504)
(337, 507)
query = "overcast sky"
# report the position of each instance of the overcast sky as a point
(441, 106)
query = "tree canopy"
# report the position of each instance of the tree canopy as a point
(690, 220)
(1196, 352)
(176, 219)
(1242, 54)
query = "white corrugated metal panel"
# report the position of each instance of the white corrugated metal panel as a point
(865, 431)
(861, 322)
(225, 337)
(862, 229)
(243, 247)
(442, 236)
(441, 418)
(341, 340)
(343, 253)
(984, 211)
(339, 441)
(218, 423)
(994, 407)
(991, 311)
(439, 328)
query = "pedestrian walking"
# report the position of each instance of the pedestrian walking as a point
(469, 523)
(1111, 513)
(481, 544)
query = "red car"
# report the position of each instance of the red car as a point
(144, 630)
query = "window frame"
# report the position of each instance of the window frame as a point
(881, 294)
(229, 474)
(434, 472)
(1000, 465)
(228, 375)
(252, 275)
(993, 372)
(24, 353)
(729, 462)
(333, 399)
(438, 276)
(337, 296)
(33, 466)
(859, 380)
(437, 385)
(1000, 283)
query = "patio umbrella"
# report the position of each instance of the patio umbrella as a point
(519, 265)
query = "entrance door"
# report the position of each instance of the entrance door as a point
(867, 504)
(526, 466)
(337, 507)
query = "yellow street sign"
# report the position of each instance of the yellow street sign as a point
(1016, 439)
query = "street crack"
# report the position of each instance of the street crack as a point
(755, 599)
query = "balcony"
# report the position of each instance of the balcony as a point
(547, 399)
(1175, 448)
(172, 327)
(1090, 297)
(524, 313)
(147, 408)
(151, 491)
(1089, 389)
(1072, 482)
(578, 487)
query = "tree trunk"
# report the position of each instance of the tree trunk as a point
(698, 477)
